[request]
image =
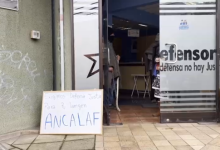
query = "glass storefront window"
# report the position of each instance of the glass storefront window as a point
(188, 60)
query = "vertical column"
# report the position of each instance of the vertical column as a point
(67, 47)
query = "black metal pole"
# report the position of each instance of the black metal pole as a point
(53, 43)
(72, 45)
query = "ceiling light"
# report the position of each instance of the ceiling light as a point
(126, 28)
(123, 28)
(143, 25)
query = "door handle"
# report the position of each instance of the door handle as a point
(175, 45)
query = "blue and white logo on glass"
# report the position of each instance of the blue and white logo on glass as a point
(183, 25)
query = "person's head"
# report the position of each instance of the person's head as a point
(110, 34)
(103, 3)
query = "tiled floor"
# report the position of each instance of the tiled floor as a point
(134, 114)
(141, 131)
(49, 142)
(148, 136)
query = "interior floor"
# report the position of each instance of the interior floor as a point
(132, 114)
(134, 110)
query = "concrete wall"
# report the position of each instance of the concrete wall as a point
(57, 62)
(127, 81)
(25, 65)
(67, 44)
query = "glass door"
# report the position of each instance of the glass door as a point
(188, 61)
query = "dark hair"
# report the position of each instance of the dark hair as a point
(103, 2)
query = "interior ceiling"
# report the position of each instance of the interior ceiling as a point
(153, 8)
(119, 23)
(126, 24)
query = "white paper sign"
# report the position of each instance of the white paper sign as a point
(9, 4)
(72, 112)
(133, 33)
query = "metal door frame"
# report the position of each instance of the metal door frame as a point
(217, 58)
(217, 54)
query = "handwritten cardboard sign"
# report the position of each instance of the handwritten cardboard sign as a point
(72, 112)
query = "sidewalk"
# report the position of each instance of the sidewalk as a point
(127, 137)
(160, 137)
(49, 142)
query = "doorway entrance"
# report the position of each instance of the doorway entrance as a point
(132, 38)
(187, 71)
